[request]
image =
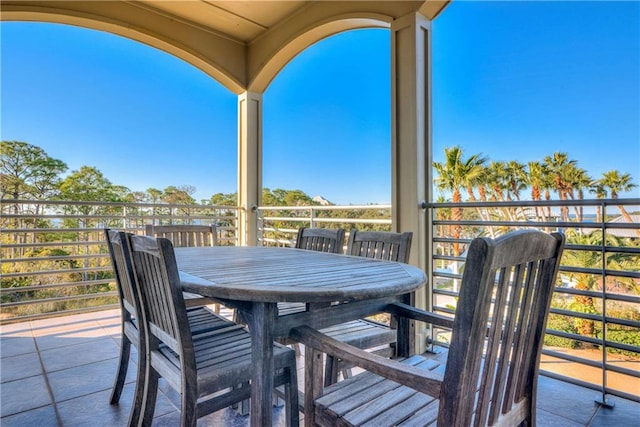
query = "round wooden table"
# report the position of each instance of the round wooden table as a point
(254, 279)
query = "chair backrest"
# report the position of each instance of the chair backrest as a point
(321, 239)
(158, 281)
(380, 245)
(498, 329)
(120, 252)
(185, 235)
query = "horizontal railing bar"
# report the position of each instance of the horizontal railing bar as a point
(447, 275)
(322, 208)
(52, 314)
(598, 271)
(445, 292)
(55, 258)
(579, 315)
(65, 271)
(132, 205)
(607, 249)
(534, 203)
(622, 370)
(598, 294)
(49, 244)
(584, 225)
(571, 358)
(84, 283)
(329, 220)
(59, 299)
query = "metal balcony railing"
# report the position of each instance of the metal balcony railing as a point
(593, 331)
(54, 262)
(54, 258)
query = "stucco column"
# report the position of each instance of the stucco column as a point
(249, 165)
(411, 140)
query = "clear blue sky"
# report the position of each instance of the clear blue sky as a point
(511, 80)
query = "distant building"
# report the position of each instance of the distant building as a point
(321, 201)
(625, 233)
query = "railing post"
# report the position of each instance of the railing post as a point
(602, 399)
(312, 216)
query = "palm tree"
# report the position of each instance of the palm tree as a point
(619, 183)
(517, 179)
(497, 180)
(600, 191)
(558, 165)
(577, 181)
(455, 174)
(536, 179)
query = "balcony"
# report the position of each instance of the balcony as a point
(59, 372)
(60, 330)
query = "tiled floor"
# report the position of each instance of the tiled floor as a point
(59, 372)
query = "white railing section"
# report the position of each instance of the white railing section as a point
(54, 258)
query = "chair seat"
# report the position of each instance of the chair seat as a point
(370, 400)
(223, 356)
(202, 319)
(362, 333)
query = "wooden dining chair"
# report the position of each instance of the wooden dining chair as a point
(380, 245)
(185, 235)
(367, 333)
(188, 236)
(200, 320)
(491, 370)
(321, 239)
(205, 369)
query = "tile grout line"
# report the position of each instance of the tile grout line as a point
(46, 377)
(595, 413)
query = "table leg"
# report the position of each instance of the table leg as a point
(261, 323)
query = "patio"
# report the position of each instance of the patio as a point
(59, 372)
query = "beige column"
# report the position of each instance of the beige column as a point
(249, 165)
(411, 140)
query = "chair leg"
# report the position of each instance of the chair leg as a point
(189, 409)
(123, 365)
(291, 397)
(139, 396)
(150, 395)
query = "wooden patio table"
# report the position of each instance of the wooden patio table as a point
(254, 279)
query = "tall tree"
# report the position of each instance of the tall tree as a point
(454, 174)
(497, 180)
(577, 181)
(220, 199)
(516, 177)
(559, 165)
(28, 172)
(619, 183)
(536, 179)
(600, 191)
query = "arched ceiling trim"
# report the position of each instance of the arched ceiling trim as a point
(194, 45)
(242, 44)
(300, 42)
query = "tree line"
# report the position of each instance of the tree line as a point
(28, 172)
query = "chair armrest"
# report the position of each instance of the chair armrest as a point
(421, 380)
(404, 310)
